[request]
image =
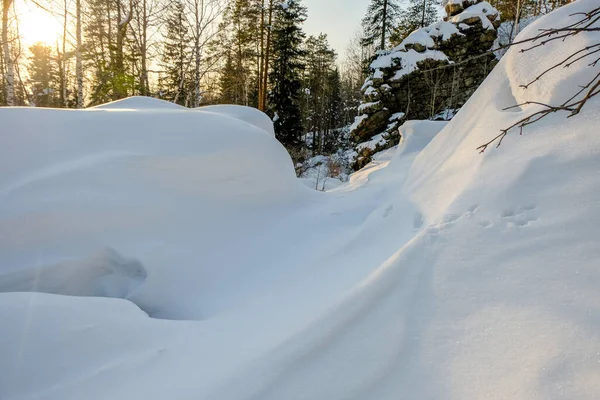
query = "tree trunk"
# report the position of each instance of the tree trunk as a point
(517, 18)
(119, 91)
(384, 24)
(261, 105)
(63, 62)
(197, 55)
(267, 55)
(78, 61)
(144, 84)
(10, 73)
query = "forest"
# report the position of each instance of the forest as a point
(201, 52)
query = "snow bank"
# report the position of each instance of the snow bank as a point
(140, 103)
(165, 188)
(247, 114)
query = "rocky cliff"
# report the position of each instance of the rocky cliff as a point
(432, 73)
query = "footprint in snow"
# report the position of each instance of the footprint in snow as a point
(520, 216)
(388, 211)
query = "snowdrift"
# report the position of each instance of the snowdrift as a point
(167, 188)
(436, 273)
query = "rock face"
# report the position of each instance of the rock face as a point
(418, 78)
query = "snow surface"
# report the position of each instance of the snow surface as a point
(435, 273)
(480, 10)
(246, 114)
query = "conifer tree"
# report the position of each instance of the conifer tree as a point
(420, 13)
(380, 21)
(285, 76)
(239, 39)
(43, 76)
(176, 85)
(320, 64)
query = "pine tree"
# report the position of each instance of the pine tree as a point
(380, 21)
(333, 110)
(419, 14)
(320, 63)
(176, 85)
(43, 76)
(240, 40)
(228, 85)
(285, 76)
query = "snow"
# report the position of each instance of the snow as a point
(139, 103)
(247, 114)
(480, 10)
(425, 36)
(375, 141)
(435, 273)
(357, 122)
(397, 116)
(105, 274)
(365, 106)
(411, 58)
(370, 91)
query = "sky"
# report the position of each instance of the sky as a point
(339, 19)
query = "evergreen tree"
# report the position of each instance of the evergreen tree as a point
(380, 21)
(43, 76)
(240, 40)
(176, 85)
(320, 64)
(333, 110)
(419, 14)
(228, 85)
(285, 76)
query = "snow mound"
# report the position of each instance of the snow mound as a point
(416, 135)
(164, 188)
(139, 103)
(247, 114)
(105, 274)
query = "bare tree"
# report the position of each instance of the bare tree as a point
(589, 22)
(8, 60)
(78, 56)
(205, 13)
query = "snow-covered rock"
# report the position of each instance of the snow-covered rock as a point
(398, 84)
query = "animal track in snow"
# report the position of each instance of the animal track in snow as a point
(486, 224)
(388, 211)
(450, 219)
(520, 216)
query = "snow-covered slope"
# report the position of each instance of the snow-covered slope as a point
(434, 274)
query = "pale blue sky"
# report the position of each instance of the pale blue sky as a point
(339, 19)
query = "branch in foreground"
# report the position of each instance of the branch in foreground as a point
(573, 105)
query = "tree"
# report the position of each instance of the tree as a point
(419, 14)
(205, 13)
(238, 40)
(285, 77)
(176, 85)
(78, 55)
(380, 21)
(9, 84)
(44, 78)
(320, 64)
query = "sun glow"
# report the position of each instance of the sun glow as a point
(37, 25)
